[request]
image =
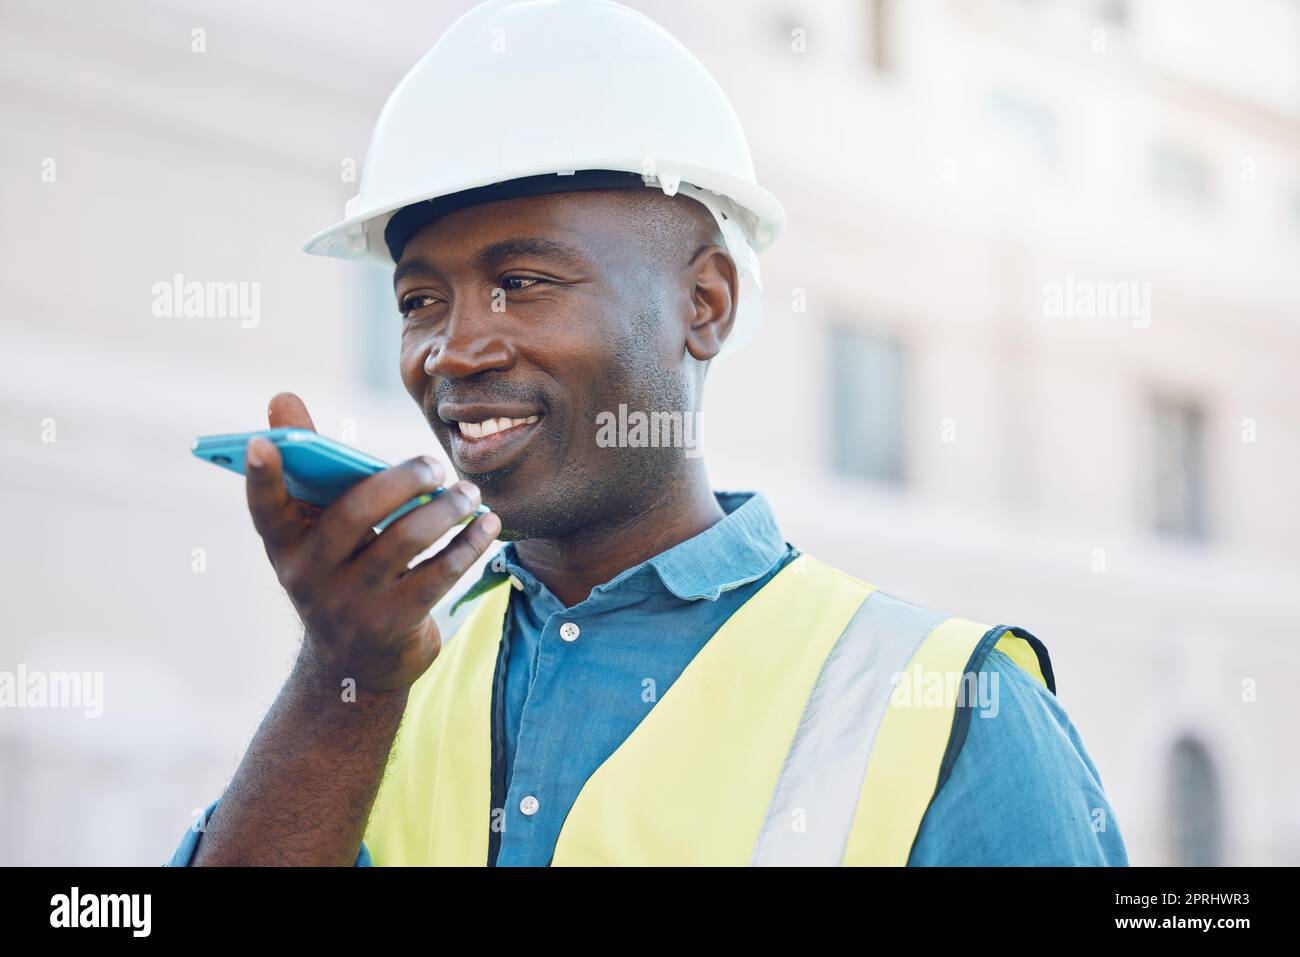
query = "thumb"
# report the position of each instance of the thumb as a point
(286, 411)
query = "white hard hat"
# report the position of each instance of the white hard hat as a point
(553, 95)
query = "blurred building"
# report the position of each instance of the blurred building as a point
(1029, 358)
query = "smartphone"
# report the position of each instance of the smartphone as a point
(316, 469)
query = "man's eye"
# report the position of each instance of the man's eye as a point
(416, 301)
(524, 282)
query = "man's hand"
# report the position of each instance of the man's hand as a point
(365, 612)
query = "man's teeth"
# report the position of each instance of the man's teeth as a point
(476, 430)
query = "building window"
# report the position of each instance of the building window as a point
(1029, 125)
(791, 32)
(1195, 807)
(1113, 11)
(1180, 174)
(867, 403)
(1178, 469)
(881, 40)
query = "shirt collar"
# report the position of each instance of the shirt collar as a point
(740, 548)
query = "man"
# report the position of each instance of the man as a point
(646, 673)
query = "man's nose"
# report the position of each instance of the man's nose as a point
(473, 340)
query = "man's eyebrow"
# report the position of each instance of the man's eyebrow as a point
(413, 267)
(527, 246)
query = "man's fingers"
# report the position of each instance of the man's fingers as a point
(287, 411)
(427, 583)
(366, 539)
(268, 499)
(346, 521)
(387, 557)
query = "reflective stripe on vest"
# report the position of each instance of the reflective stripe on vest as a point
(784, 741)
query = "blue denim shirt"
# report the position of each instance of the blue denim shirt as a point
(1022, 791)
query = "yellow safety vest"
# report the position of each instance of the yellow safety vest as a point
(814, 727)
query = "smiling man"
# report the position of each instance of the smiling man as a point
(547, 311)
(646, 672)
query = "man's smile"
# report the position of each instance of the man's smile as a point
(487, 438)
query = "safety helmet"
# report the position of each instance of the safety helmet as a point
(521, 97)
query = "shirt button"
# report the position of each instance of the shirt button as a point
(569, 631)
(529, 805)
(516, 584)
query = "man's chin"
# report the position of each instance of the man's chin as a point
(500, 492)
(536, 515)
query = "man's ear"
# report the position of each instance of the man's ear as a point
(714, 290)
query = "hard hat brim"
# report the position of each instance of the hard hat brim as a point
(360, 234)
